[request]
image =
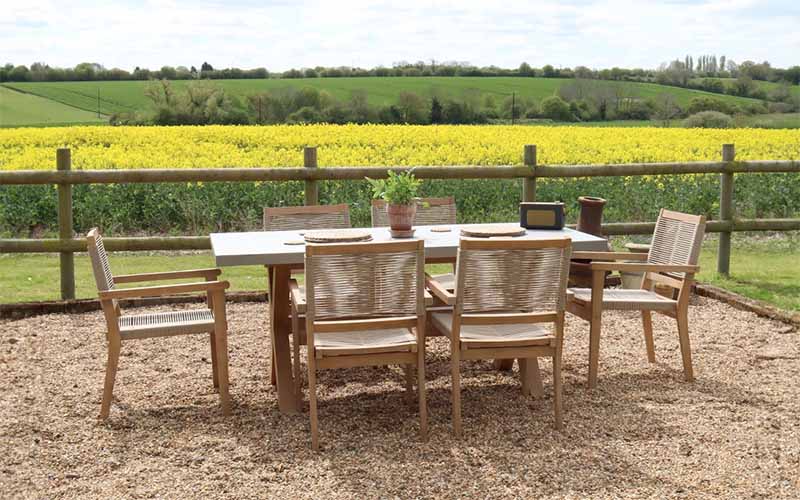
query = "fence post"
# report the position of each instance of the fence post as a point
(726, 211)
(67, 259)
(529, 183)
(312, 188)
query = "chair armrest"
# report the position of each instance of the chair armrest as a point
(155, 291)
(608, 256)
(295, 293)
(642, 268)
(439, 291)
(209, 274)
(428, 298)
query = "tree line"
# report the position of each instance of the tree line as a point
(680, 72)
(578, 100)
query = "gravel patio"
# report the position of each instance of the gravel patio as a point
(734, 433)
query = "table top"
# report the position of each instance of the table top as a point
(271, 248)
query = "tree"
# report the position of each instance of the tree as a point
(556, 108)
(411, 107)
(525, 70)
(548, 71)
(206, 67)
(436, 111)
(666, 108)
(744, 86)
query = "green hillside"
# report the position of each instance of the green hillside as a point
(17, 108)
(123, 96)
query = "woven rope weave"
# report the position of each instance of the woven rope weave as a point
(430, 211)
(166, 323)
(276, 220)
(676, 242)
(513, 280)
(363, 285)
(100, 266)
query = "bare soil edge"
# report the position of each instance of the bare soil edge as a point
(747, 304)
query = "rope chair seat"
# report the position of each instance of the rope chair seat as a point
(166, 323)
(490, 335)
(626, 300)
(365, 342)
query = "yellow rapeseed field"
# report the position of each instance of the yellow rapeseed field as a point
(344, 145)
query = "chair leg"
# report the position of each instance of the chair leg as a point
(686, 350)
(298, 385)
(312, 400)
(421, 392)
(531, 377)
(455, 372)
(214, 369)
(647, 323)
(557, 388)
(594, 349)
(409, 373)
(221, 339)
(114, 346)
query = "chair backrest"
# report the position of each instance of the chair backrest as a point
(512, 275)
(100, 266)
(307, 217)
(677, 239)
(430, 211)
(365, 280)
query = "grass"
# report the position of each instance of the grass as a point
(129, 95)
(18, 108)
(763, 269)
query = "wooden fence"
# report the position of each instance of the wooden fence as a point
(64, 177)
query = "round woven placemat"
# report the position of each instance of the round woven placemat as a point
(441, 229)
(337, 236)
(489, 230)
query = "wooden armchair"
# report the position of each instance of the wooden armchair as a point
(123, 327)
(365, 307)
(508, 303)
(430, 211)
(307, 217)
(299, 219)
(672, 261)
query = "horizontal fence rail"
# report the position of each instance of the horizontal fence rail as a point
(65, 177)
(172, 243)
(282, 174)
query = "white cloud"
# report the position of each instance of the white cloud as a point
(284, 34)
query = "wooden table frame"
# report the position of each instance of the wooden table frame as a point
(268, 249)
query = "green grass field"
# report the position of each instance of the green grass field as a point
(17, 108)
(761, 269)
(129, 95)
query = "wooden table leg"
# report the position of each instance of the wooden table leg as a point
(279, 332)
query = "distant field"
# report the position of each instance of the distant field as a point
(129, 95)
(17, 108)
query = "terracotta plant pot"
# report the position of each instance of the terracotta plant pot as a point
(401, 217)
(591, 215)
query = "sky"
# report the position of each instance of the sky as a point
(282, 34)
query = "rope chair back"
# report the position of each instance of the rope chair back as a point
(430, 211)
(363, 280)
(100, 266)
(307, 217)
(512, 275)
(677, 239)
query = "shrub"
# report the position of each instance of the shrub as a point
(708, 119)
(708, 103)
(305, 114)
(556, 108)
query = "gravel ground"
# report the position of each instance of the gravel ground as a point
(734, 433)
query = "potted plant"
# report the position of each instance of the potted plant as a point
(399, 191)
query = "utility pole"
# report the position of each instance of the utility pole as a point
(98, 102)
(513, 106)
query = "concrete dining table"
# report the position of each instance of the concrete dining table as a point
(284, 251)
